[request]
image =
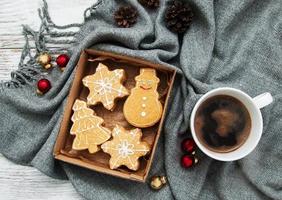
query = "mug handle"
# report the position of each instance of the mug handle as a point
(263, 100)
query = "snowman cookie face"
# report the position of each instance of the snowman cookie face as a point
(145, 81)
(142, 108)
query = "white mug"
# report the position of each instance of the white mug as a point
(253, 105)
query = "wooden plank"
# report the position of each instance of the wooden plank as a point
(15, 13)
(21, 182)
(12, 41)
(9, 59)
(18, 41)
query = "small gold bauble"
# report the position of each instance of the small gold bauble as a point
(48, 66)
(39, 92)
(157, 182)
(44, 59)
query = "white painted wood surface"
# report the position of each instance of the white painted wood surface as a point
(20, 182)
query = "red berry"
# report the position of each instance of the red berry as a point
(188, 145)
(62, 60)
(43, 85)
(188, 161)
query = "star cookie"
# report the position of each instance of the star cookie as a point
(105, 86)
(87, 128)
(125, 148)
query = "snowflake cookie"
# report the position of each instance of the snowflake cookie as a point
(105, 86)
(125, 148)
(87, 128)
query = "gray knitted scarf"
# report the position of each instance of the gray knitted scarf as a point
(230, 43)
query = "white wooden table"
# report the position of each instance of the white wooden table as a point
(19, 182)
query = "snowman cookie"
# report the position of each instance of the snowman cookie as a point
(125, 148)
(142, 108)
(87, 128)
(105, 86)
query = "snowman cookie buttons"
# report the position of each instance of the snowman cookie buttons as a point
(105, 86)
(142, 108)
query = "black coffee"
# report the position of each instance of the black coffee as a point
(222, 123)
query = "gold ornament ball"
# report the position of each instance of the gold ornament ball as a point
(48, 66)
(39, 92)
(157, 182)
(44, 59)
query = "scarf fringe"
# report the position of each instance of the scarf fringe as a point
(48, 34)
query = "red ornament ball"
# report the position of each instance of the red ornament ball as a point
(188, 161)
(43, 86)
(62, 60)
(188, 145)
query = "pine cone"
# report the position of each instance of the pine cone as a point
(126, 16)
(150, 3)
(178, 16)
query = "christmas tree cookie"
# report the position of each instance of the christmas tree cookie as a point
(125, 148)
(105, 86)
(87, 128)
(142, 108)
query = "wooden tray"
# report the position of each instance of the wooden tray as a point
(87, 64)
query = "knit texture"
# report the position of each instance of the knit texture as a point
(230, 43)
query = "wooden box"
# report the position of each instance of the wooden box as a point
(99, 161)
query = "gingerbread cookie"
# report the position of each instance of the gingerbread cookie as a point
(105, 86)
(125, 148)
(143, 108)
(87, 128)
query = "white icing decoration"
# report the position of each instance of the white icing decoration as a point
(133, 132)
(144, 98)
(143, 105)
(106, 88)
(118, 73)
(116, 132)
(125, 149)
(143, 114)
(86, 124)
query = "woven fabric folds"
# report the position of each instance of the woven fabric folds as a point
(229, 43)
